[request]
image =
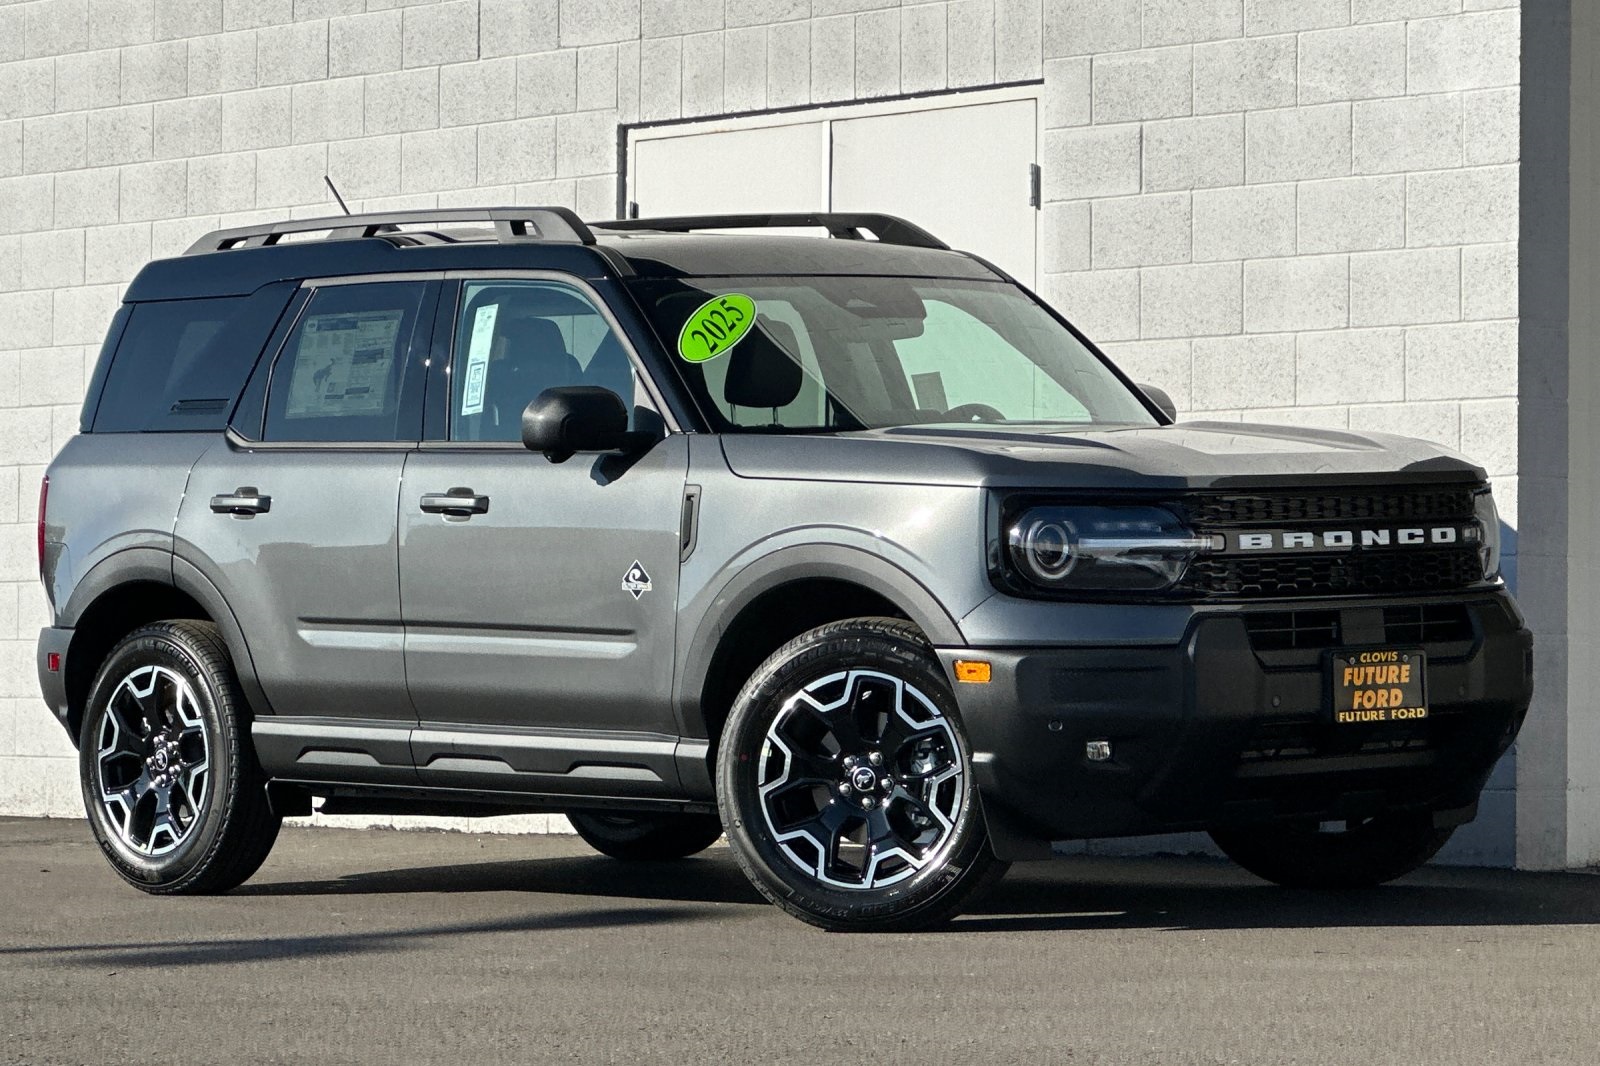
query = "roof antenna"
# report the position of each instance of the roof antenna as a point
(335, 190)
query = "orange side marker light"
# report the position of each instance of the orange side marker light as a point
(973, 671)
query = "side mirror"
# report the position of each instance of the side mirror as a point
(576, 418)
(1162, 401)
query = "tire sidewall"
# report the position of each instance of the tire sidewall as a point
(166, 648)
(739, 762)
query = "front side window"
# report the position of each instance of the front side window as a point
(514, 339)
(339, 375)
(843, 353)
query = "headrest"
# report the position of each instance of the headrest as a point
(761, 373)
(609, 368)
(528, 338)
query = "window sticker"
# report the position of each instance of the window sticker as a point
(477, 371)
(343, 364)
(716, 326)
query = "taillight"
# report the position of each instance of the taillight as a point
(44, 498)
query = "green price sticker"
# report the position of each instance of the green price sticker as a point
(716, 326)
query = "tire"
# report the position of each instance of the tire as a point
(803, 799)
(1364, 854)
(646, 837)
(170, 781)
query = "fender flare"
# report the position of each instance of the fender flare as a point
(798, 563)
(122, 567)
(160, 567)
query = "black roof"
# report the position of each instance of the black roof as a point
(608, 250)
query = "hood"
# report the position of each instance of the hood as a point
(1189, 455)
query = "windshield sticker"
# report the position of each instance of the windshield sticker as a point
(478, 359)
(343, 364)
(718, 324)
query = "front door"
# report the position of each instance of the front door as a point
(539, 598)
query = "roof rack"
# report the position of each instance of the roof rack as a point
(844, 225)
(510, 224)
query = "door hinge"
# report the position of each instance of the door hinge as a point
(1035, 186)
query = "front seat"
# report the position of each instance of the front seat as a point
(609, 368)
(761, 373)
(533, 358)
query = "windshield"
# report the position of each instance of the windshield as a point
(839, 353)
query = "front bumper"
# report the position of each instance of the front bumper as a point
(1230, 725)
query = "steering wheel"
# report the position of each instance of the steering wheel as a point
(975, 412)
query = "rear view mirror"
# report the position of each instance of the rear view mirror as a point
(1163, 402)
(577, 418)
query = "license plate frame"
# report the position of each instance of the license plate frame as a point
(1377, 685)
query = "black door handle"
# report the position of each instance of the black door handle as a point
(456, 503)
(243, 502)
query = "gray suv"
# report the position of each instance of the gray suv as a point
(849, 547)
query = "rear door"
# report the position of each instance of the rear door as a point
(540, 609)
(292, 517)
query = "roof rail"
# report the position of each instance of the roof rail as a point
(844, 225)
(510, 224)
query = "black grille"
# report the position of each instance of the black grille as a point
(1272, 508)
(1293, 630)
(1369, 573)
(1433, 623)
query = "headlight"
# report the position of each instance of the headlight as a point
(1489, 547)
(1101, 549)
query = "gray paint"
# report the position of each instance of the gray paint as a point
(518, 617)
(313, 581)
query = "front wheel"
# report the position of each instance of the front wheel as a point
(845, 782)
(646, 836)
(1355, 854)
(170, 781)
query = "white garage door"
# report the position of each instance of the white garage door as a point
(960, 169)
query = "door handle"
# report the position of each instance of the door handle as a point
(456, 503)
(242, 502)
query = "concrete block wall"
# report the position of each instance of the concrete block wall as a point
(1299, 211)
(1286, 210)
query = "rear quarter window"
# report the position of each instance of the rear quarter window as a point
(181, 364)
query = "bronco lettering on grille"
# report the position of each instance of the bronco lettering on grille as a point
(1348, 539)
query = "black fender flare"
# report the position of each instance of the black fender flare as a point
(157, 566)
(799, 562)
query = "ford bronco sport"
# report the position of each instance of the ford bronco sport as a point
(851, 548)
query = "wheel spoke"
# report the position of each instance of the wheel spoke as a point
(846, 728)
(898, 734)
(832, 819)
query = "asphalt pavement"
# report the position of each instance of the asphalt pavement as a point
(428, 947)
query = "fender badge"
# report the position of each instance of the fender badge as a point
(637, 581)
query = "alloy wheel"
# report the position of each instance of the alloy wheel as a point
(861, 780)
(153, 761)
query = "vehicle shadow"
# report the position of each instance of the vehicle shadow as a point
(710, 878)
(1210, 894)
(239, 950)
(1077, 893)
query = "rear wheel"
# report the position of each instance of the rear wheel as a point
(1355, 854)
(170, 782)
(845, 782)
(646, 836)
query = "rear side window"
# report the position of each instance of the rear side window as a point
(339, 377)
(181, 363)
